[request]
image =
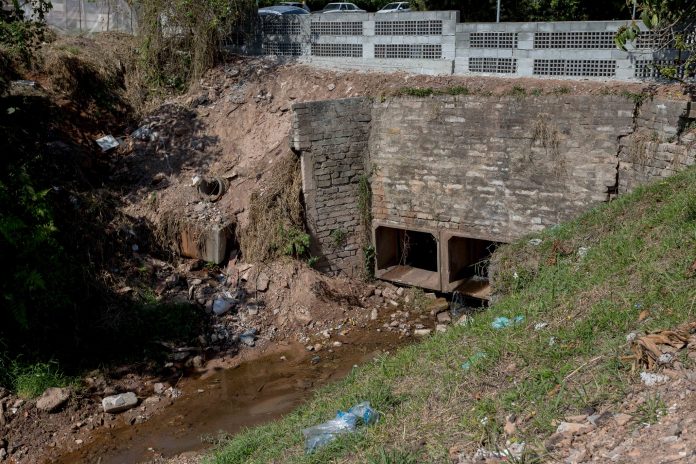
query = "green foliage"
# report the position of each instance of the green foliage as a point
(338, 237)
(180, 39)
(667, 19)
(31, 254)
(21, 34)
(651, 410)
(530, 10)
(369, 261)
(294, 242)
(30, 381)
(457, 90)
(416, 91)
(518, 92)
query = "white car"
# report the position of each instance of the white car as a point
(342, 8)
(396, 7)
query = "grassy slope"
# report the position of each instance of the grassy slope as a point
(641, 249)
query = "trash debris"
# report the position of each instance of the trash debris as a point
(648, 349)
(511, 451)
(665, 358)
(457, 305)
(143, 133)
(540, 325)
(23, 83)
(535, 242)
(503, 322)
(472, 360)
(582, 251)
(631, 336)
(248, 337)
(650, 379)
(106, 143)
(344, 422)
(222, 305)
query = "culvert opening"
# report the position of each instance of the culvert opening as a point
(211, 189)
(467, 265)
(407, 256)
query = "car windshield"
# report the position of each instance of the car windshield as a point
(332, 7)
(391, 6)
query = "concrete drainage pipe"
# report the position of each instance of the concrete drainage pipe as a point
(212, 189)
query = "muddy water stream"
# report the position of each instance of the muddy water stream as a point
(252, 393)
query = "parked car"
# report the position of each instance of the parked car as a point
(281, 10)
(341, 8)
(302, 5)
(396, 7)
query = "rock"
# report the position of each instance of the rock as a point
(558, 441)
(400, 291)
(262, 282)
(437, 306)
(422, 332)
(441, 328)
(3, 454)
(197, 362)
(159, 388)
(599, 419)
(337, 344)
(622, 419)
(248, 338)
(119, 403)
(331, 87)
(317, 347)
(510, 427)
(78, 442)
(576, 456)
(444, 317)
(53, 398)
(579, 418)
(374, 314)
(173, 393)
(573, 428)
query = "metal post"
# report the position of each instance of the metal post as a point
(497, 13)
(633, 16)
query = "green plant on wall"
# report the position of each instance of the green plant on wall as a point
(338, 237)
(294, 241)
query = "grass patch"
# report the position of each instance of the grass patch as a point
(32, 380)
(639, 250)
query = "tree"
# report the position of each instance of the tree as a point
(672, 21)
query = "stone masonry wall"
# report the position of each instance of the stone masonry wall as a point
(663, 143)
(493, 168)
(332, 137)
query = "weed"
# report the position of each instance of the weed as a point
(369, 261)
(312, 261)
(458, 90)
(419, 301)
(338, 237)
(650, 411)
(563, 90)
(536, 92)
(636, 98)
(416, 91)
(518, 92)
(393, 456)
(294, 242)
(32, 380)
(276, 222)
